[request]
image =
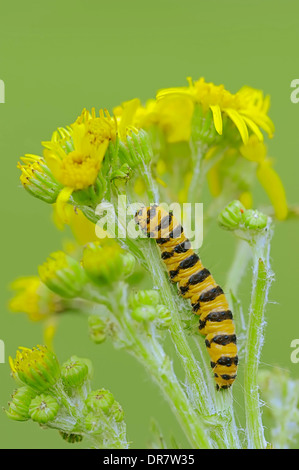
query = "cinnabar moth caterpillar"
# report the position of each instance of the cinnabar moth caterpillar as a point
(196, 283)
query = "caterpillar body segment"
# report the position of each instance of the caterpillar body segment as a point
(196, 283)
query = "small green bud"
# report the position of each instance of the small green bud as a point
(43, 408)
(129, 263)
(137, 149)
(74, 372)
(96, 329)
(122, 173)
(37, 179)
(89, 365)
(117, 412)
(164, 314)
(37, 367)
(232, 215)
(144, 297)
(63, 275)
(71, 438)
(103, 264)
(100, 400)
(255, 220)
(92, 422)
(145, 313)
(202, 126)
(19, 406)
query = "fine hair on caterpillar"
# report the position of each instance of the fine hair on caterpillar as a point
(196, 283)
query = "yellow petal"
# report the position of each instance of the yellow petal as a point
(255, 150)
(246, 199)
(61, 204)
(273, 186)
(127, 116)
(82, 228)
(217, 117)
(49, 333)
(255, 129)
(239, 123)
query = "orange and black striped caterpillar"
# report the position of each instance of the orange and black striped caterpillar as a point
(197, 284)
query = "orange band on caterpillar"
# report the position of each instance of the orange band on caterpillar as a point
(196, 283)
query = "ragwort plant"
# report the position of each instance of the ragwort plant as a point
(164, 151)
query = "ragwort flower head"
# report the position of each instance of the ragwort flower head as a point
(75, 154)
(247, 109)
(34, 298)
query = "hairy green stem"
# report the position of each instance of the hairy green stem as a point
(196, 180)
(262, 278)
(162, 372)
(195, 379)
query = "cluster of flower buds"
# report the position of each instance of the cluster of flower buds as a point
(146, 307)
(60, 397)
(235, 217)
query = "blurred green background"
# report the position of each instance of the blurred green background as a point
(60, 56)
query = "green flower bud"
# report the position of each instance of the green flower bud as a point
(19, 406)
(103, 264)
(122, 173)
(232, 215)
(202, 126)
(71, 438)
(43, 408)
(129, 263)
(145, 313)
(164, 314)
(74, 372)
(37, 367)
(96, 329)
(144, 297)
(37, 179)
(63, 275)
(255, 220)
(100, 400)
(137, 149)
(92, 422)
(117, 412)
(89, 366)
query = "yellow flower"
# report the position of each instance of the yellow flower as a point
(34, 298)
(173, 116)
(246, 109)
(75, 154)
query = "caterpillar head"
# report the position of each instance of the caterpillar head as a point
(144, 215)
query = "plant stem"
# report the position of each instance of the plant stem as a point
(195, 184)
(163, 374)
(262, 278)
(197, 387)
